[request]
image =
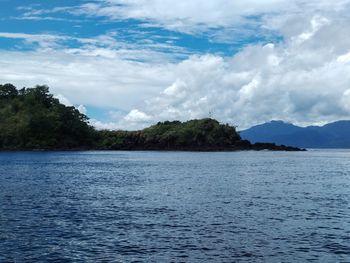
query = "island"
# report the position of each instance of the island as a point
(32, 119)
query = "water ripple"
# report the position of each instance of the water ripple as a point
(175, 207)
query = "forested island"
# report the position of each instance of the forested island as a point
(32, 119)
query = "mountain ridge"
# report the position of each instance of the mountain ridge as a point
(330, 135)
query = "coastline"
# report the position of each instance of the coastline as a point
(273, 148)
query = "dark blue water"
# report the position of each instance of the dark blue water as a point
(175, 207)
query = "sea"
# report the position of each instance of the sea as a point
(115, 206)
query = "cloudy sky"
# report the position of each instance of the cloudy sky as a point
(130, 63)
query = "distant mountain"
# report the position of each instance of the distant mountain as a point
(332, 135)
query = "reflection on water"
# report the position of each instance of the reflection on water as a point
(175, 206)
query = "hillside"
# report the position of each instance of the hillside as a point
(332, 135)
(31, 118)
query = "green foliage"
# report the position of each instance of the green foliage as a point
(119, 140)
(32, 119)
(8, 91)
(194, 133)
(205, 134)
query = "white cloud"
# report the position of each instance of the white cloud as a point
(304, 78)
(82, 109)
(185, 16)
(299, 81)
(344, 58)
(30, 37)
(104, 125)
(85, 79)
(43, 40)
(137, 116)
(131, 121)
(200, 16)
(317, 22)
(106, 45)
(63, 100)
(157, 9)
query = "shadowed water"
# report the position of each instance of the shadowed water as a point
(175, 207)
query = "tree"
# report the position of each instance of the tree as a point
(8, 91)
(32, 118)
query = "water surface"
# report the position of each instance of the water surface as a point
(175, 206)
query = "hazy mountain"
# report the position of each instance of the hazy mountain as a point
(332, 135)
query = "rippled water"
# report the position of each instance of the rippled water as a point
(175, 207)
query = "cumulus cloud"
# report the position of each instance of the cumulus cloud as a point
(82, 109)
(345, 58)
(86, 79)
(303, 78)
(63, 100)
(99, 125)
(137, 116)
(134, 120)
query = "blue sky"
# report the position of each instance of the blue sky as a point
(40, 17)
(130, 63)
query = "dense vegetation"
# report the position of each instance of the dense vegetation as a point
(31, 118)
(204, 134)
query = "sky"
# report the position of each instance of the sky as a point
(131, 63)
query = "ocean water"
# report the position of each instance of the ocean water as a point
(175, 206)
